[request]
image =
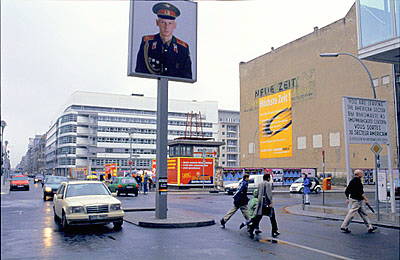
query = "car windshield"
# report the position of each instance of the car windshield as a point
(20, 179)
(299, 180)
(56, 180)
(84, 189)
(128, 180)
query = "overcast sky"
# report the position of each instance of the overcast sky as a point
(52, 48)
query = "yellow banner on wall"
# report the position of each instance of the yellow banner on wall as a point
(275, 125)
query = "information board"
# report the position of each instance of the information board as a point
(366, 120)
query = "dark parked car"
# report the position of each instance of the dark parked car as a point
(124, 185)
(52, 184)
(19, 182)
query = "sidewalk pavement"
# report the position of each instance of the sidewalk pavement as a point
(5, 189)
(177, 218)
(339, 213)
(277, 189)
(138, 212)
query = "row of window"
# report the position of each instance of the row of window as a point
(134, 151)
(66, 150)
(123, 162)
(125, 140)
(148, 121)
(66, 161)
(67, 129)
(231, 142)
(230, 164)
(68, 118)
(180, 151)
(124, 110)
(142, 131)
(67, 139)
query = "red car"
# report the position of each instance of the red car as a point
(19, 182)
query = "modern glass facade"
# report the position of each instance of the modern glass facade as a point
(378, 21)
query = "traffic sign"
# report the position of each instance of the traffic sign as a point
(376, 149)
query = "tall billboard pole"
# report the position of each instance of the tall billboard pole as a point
(163, 46)
(161, 148)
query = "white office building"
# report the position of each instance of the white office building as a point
(93, 129)
(229, 129)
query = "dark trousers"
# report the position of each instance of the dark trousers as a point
(255, 222)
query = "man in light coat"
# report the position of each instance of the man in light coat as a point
(264, 198)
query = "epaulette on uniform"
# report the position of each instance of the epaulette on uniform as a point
(148, 38)
(184, 44)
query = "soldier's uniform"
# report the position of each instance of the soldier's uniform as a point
(168, 59)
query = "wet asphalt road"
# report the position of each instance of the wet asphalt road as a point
(28, 231)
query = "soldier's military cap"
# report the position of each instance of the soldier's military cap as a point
(166, 11)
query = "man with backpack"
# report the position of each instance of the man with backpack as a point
(240, 201)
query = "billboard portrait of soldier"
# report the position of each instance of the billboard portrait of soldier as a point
(163, 40)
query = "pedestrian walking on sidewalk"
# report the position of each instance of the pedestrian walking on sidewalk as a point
(306, 189)
(139, 181)
(145, 180)
(356, 199)
(240, 201)
(264, 207)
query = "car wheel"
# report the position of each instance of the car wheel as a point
(118, 224)
(301, 190)
(64, 222)
(118, 193)
(317, 190)
(44, 197)
(56, 218)
(136, 194)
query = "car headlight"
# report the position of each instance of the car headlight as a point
(115, 207)
(47, 189)
(77, 209)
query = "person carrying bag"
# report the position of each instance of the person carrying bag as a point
(264, 207)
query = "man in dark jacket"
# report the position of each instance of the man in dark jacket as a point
(240, 201)
(355, 196)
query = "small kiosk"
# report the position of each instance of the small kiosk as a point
(192, 162)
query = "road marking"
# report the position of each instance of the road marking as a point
(279, 241)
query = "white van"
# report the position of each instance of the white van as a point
(254, 180)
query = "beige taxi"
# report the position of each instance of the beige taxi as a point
(85, 203)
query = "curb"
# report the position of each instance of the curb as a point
(176, 225)
(287, 209)
(138, 209)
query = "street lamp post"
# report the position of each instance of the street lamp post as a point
(336, 54)
(3, 125)
(392, 199)
(130, 151)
